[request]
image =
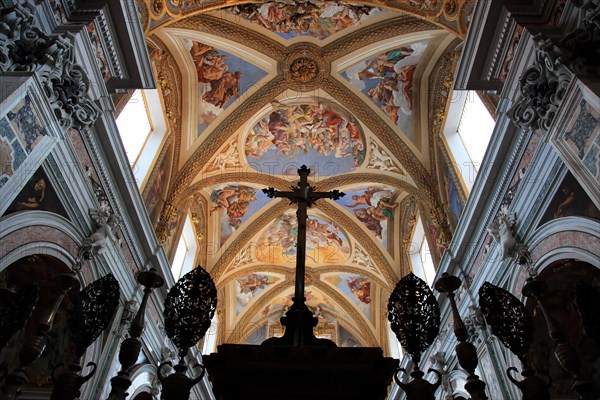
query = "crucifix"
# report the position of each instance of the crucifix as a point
(299, 321)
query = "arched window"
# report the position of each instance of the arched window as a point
(185, 253)
(467, 131)
(420, 255)
(142, 128)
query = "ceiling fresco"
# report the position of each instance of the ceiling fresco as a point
(250, 286)
(374, 207)
(325, 242)
(307, 18)
(233, 204)
(222, 78)
(356, 287)
(319, 135)
(252, 91)
(387, 80)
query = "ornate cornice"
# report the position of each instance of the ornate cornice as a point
(341, 181)
(235, 32)
(375, 33)
(452, 15)
(238, 178)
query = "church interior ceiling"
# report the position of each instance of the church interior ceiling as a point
(251, 92)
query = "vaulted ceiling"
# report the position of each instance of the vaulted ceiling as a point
(254, 90)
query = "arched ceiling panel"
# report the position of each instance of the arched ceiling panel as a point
(264, 87)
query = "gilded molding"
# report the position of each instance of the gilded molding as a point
(244, 326)
(375, 33)
(365, 240)
(237, 177)
(246, 235)
(287, 271)
(341, 181)
(169, 79)
(235, 32)
(452, 15)
(347, 269)
(386, 135)
(359, 319)
(211, 145)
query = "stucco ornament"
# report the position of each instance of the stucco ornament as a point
(503, 230)
(97, 243)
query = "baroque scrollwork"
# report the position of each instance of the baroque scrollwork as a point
(543, 87)
(65, 83)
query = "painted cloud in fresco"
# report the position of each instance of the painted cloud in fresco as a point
(373, 207)
(325, 243)
(235, 204)
(222, 78)
(327, 140)
(308, 18)
(387, 80)
(248, 287)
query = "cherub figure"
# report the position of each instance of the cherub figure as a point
(106, 226)
(503, 232)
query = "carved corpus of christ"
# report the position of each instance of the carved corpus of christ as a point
(299, 321)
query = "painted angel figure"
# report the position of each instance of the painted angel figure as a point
(503, 232)
(106, 226)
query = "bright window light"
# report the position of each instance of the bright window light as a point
(180, 254)
(420, 256)
(475, 127)
(185, 253)
(134, 126)
(467, 132)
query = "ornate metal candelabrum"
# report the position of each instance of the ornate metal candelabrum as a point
(93, 310)
(34, 346)
(564, 353)
(130, 348)
(512, 324)
(189, 308)
(414, 316)
(465, 351)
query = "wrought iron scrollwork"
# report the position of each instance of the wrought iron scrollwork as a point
(189, 308)
(15, 310)
(414, 315)
(509, 319)
(513, 325)
(94, 310)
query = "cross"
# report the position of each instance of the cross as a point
(305, 196)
